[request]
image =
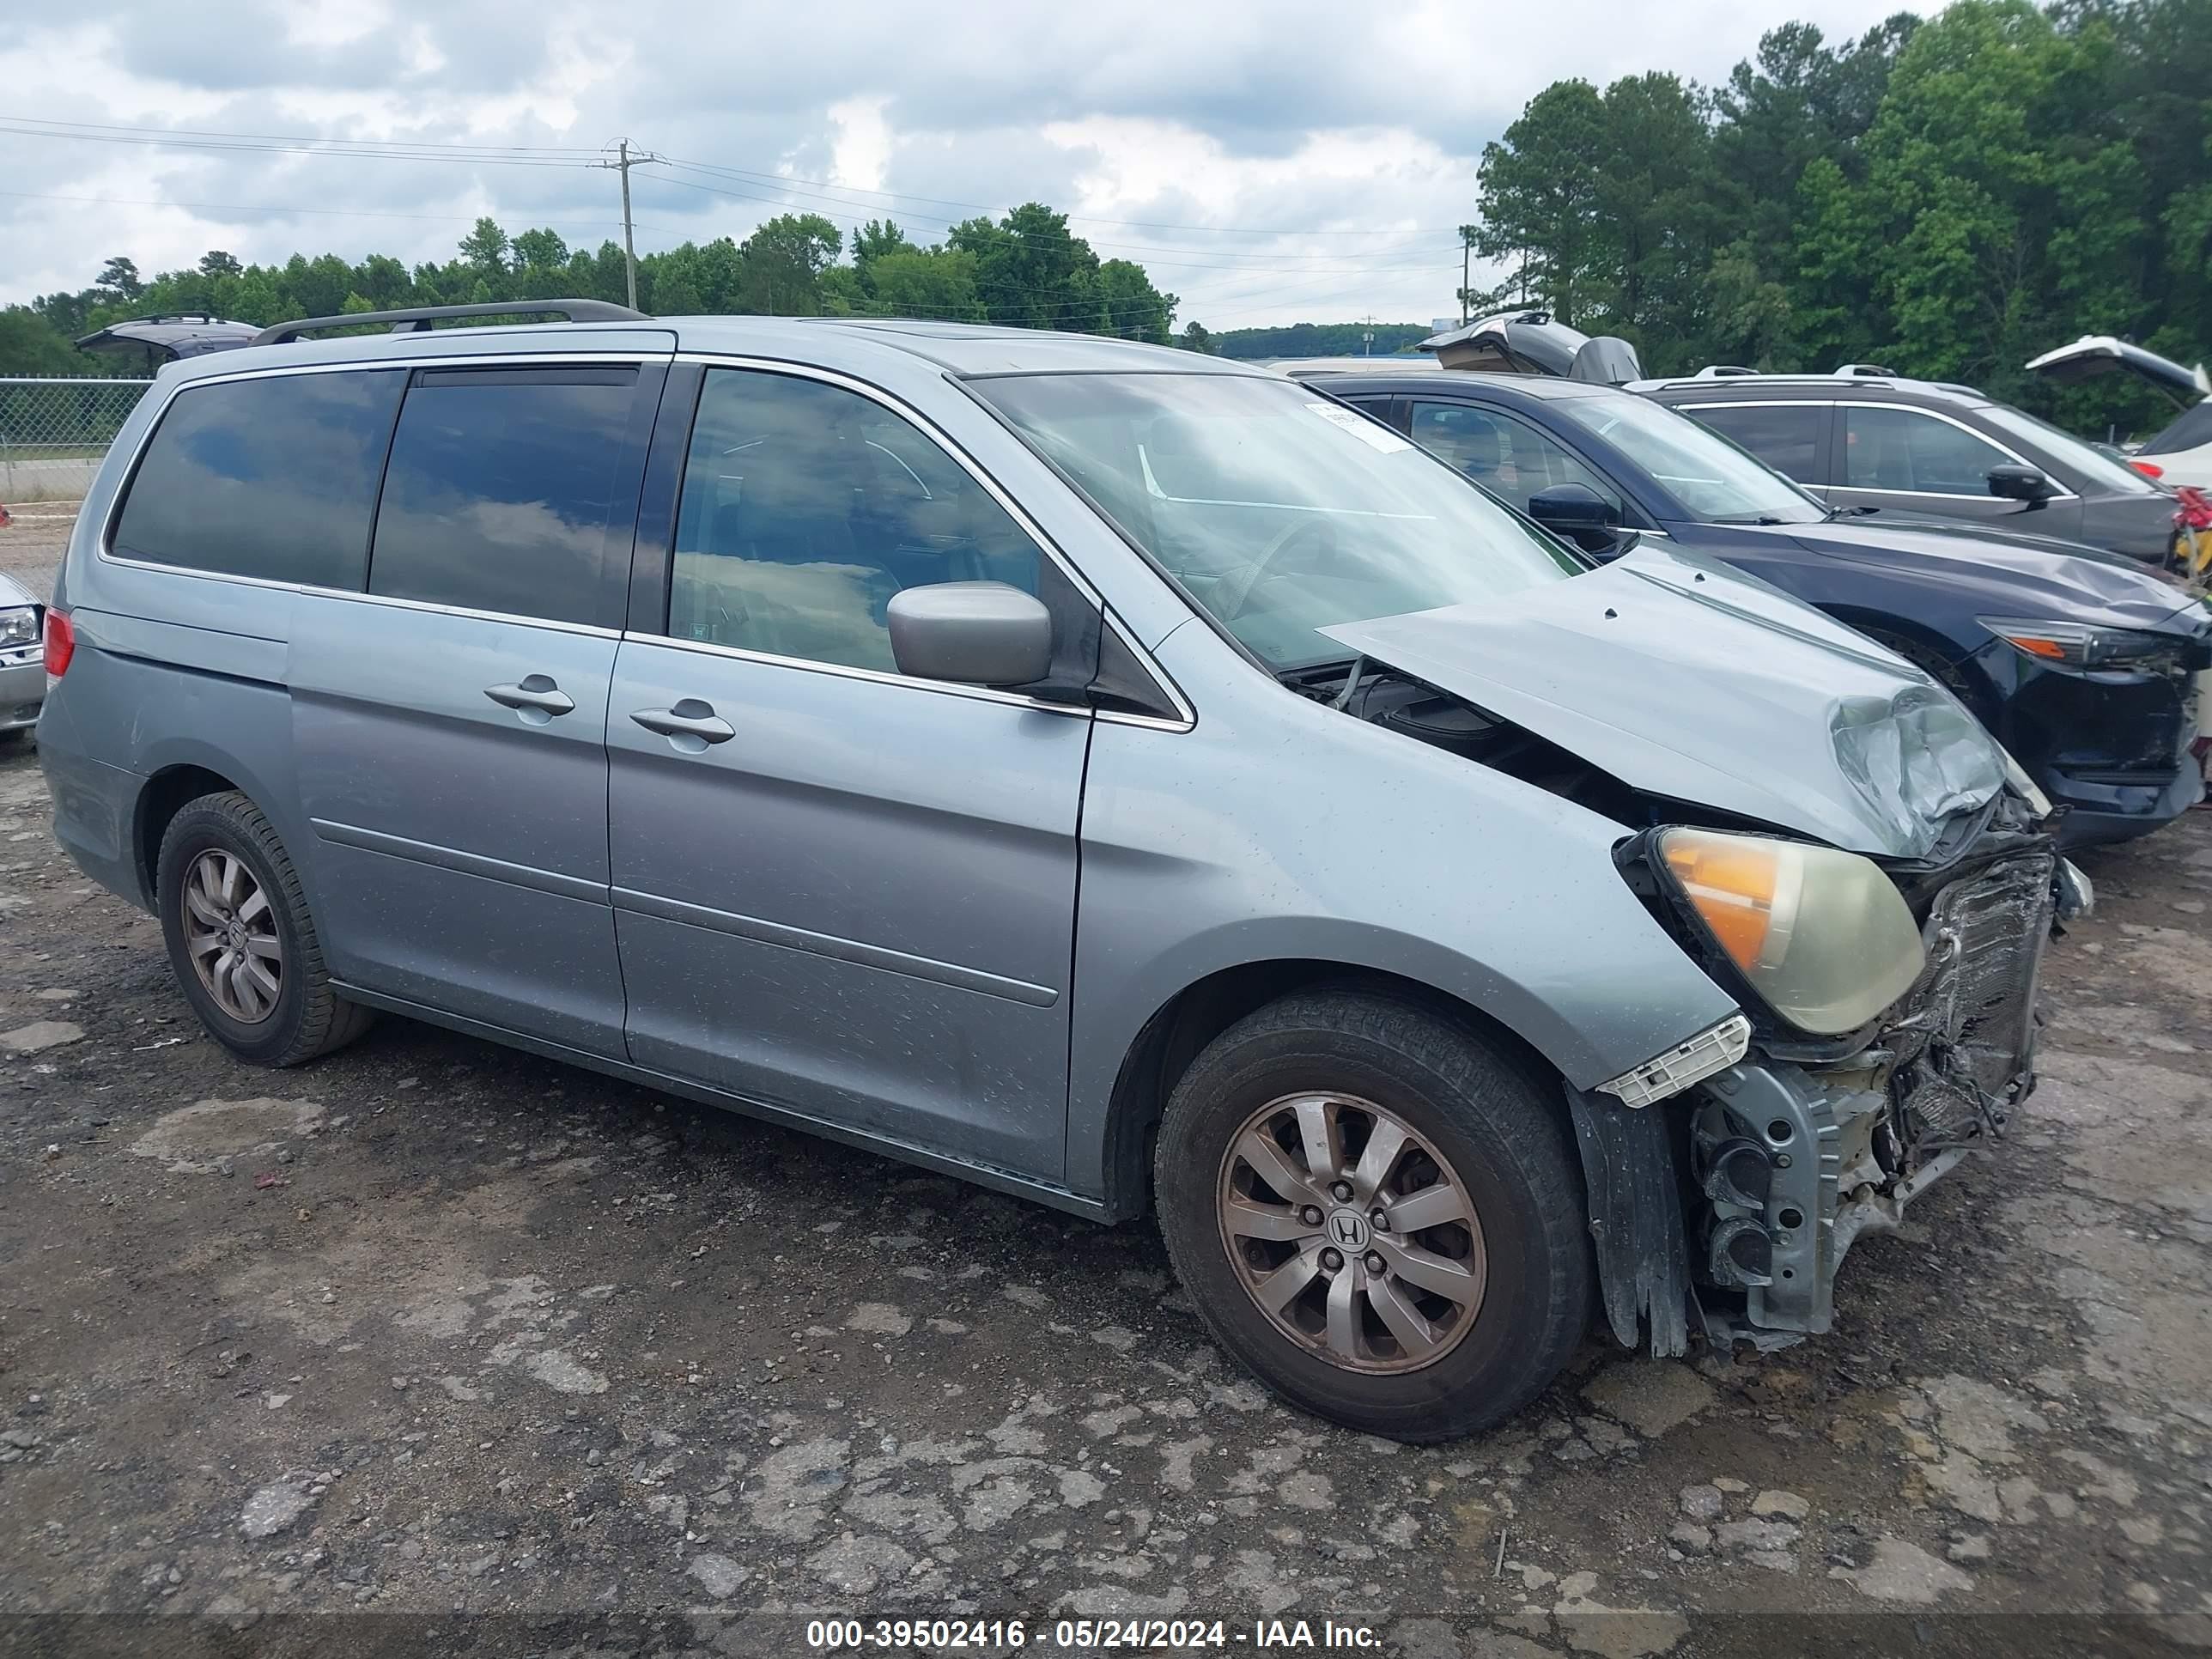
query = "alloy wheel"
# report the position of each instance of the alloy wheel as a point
(230, 935)
(1351, 1232)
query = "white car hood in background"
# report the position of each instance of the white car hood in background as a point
(1689, 680)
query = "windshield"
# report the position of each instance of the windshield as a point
(2099, 468)
(1716, 482)
(1277, 511)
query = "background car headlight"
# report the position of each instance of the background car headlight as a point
(2078, 645)
(19, 626)
(1823, 936)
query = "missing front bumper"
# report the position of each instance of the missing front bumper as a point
(1745, 1233)
(1789, 1177)
(1735, 1203)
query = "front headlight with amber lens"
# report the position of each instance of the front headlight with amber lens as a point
(1823, 936)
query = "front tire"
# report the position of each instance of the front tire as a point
(1378, 1213)
(241, 942)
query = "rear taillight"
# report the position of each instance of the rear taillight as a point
(2149, 469)
(61, 643)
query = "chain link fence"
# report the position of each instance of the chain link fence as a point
(54, 433)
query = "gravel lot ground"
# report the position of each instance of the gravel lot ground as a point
(502, 1356)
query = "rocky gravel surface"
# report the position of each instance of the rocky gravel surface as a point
(435, 1346)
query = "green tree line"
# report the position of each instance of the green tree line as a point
(1946, 197)
(1025, 270)
(1320, 340)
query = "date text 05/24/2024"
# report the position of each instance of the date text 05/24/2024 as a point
(1090, 1635)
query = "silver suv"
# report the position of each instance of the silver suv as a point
(1120, 777)
(1864, 440)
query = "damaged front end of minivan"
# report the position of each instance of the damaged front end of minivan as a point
(1877, 905)
(1734, 1196)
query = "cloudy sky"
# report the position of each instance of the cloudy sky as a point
(1268, 161)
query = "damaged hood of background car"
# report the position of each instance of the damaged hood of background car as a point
(1686, 679)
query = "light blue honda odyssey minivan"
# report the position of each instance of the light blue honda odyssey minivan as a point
(1121, 777)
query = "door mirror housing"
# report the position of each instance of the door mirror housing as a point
(1606, 549)
(971, 634)
(2015, 483)
(1569, 508)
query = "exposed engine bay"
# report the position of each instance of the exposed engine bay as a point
(1398, 703)
(1733, 1203)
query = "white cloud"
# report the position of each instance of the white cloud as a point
(1173, 131)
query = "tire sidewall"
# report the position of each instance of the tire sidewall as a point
(1505, 1359)
(197, 830)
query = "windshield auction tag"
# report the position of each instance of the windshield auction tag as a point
(1373, 434)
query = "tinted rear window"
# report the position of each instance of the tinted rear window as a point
(273, 477)
(513, 491)
(1787, 437)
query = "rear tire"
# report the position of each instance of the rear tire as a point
(241, 942)
(1487, 1309)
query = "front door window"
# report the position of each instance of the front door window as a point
(1905, 451)
(806, 507)
(1502, 452)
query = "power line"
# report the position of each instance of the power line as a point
(341, 213)
(1040, 313)
(311, 147)
(429, 149)
(1252, 262)
(281, 138)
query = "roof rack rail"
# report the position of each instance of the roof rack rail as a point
(1866, 371)
(1721, 372)
(417, 320)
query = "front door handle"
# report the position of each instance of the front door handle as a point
(690, 718)
(537, 693)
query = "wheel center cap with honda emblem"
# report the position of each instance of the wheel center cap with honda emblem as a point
(1347, 1230)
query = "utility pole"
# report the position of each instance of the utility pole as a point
(1367, 338)
(624, 164)
(1466, 242)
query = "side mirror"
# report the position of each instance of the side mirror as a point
(1569, 508)
(971, 634)
(2015, 483)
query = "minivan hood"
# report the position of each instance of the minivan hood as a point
(1686, 679)
(2061, 582)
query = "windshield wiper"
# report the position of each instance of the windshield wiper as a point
(1752, 518)
(1836, 513)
